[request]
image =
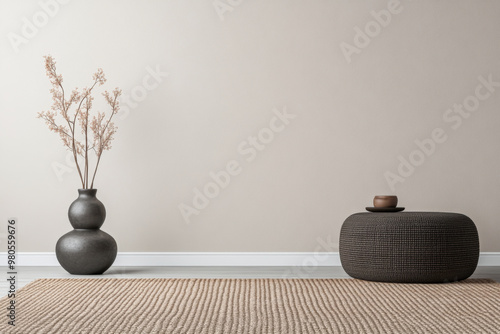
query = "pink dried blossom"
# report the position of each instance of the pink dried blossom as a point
(101, 128)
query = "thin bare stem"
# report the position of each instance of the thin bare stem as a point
(101, 144)
(87, 93)
(95, 171)
(72, 128)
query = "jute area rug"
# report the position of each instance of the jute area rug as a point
(253, 306)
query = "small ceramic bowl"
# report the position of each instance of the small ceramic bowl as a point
(385, 201)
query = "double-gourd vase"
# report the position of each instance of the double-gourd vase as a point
(86, 250)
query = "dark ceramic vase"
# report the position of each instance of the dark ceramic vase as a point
(86, 250)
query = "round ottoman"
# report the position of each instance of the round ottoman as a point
(409, 247)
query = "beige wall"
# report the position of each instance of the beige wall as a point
(358, 105)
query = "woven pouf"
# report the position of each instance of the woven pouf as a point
(409, 247)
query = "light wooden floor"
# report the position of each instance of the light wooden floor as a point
(29, 274)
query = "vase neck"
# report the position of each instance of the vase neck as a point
(87, 192)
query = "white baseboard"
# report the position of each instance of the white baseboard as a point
(489, 259)
(216, 259)
(257, 259)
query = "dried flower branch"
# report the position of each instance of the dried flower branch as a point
(101, 128)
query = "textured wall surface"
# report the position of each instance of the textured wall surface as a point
(255, 125)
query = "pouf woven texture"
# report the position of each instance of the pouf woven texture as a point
(409, 247)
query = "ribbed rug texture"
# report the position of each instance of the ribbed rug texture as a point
(235, 306)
